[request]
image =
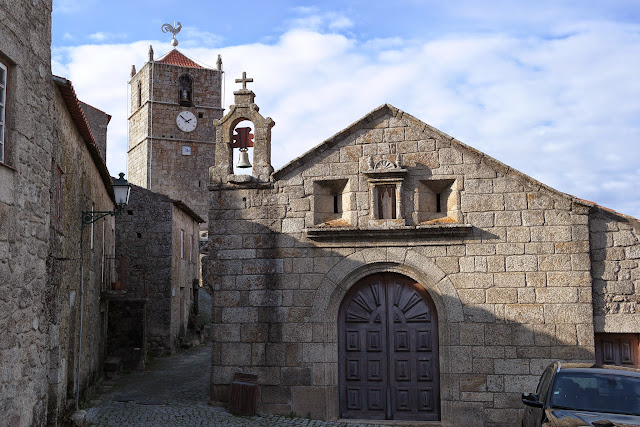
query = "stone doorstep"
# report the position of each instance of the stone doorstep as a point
(396, 423)
(112, 365)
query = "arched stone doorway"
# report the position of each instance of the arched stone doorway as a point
(388, 350)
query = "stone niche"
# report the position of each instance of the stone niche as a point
(437, 201)
(333, 203)
(386, 205)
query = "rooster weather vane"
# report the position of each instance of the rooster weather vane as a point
(167, 28)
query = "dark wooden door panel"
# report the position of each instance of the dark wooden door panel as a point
(617, 349)
(362, 351)
(388, 346)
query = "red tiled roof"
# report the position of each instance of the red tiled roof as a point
(176, 58)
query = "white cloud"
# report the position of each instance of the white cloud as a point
(314, 20)
(102, 36)
(193, 37)
(563, 110)
(339, 23)
(99, 36)
(383, 43)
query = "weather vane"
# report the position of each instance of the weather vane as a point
(167, 28)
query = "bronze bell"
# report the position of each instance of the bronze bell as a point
(184, 96)
(244, 162)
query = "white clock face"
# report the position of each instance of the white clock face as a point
(186, 121)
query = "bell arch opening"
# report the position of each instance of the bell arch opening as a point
(243, 138)
(185, 90)
(388, 350)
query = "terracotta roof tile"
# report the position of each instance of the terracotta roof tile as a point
(176, 58)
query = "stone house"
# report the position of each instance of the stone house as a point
(25, 175)
(80, 252)
(51, 266)
(158, 240)
(393, 272)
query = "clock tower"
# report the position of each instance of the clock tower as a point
(174, 101)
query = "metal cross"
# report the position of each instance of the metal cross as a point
(244, 80)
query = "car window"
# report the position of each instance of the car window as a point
(596, 392)
(543, 386)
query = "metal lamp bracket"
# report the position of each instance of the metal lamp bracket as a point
(89, 217)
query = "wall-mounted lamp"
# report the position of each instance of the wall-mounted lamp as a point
(121, 191)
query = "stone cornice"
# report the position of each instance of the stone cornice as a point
(395, 233)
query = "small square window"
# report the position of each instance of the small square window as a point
(332, 203)
(437, 201)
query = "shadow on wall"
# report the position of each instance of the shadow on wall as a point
(276, 302)
(204, 303)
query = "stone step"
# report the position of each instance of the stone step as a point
(112, 365)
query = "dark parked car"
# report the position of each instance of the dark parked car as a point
(573, 394)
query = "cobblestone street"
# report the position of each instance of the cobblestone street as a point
(174, 391)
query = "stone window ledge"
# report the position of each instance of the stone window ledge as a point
(402, 232)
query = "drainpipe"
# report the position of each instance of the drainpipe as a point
(81, 315)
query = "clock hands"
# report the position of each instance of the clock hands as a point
(186, 121)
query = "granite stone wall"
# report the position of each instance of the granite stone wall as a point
(148, 237)
(508, 268)
(185, 271)
(144, 239)
(25, 175)
(615, 251)
(98, 121)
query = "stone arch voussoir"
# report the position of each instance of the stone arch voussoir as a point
(337, 282)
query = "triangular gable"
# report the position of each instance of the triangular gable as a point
(429, 132)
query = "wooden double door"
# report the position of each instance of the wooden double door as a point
(388, 351)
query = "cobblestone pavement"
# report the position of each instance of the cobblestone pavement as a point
(174, 391)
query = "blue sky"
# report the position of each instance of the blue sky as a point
(550, 88)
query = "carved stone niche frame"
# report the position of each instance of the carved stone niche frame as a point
(386, 205)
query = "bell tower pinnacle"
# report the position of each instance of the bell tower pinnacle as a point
(244, 108)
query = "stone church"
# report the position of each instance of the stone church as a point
(390, 273)
(394, 273)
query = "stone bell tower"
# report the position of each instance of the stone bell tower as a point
(174, 101)
(244, 108)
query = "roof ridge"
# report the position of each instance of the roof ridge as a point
(175, 57)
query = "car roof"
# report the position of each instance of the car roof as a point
(600, 369)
